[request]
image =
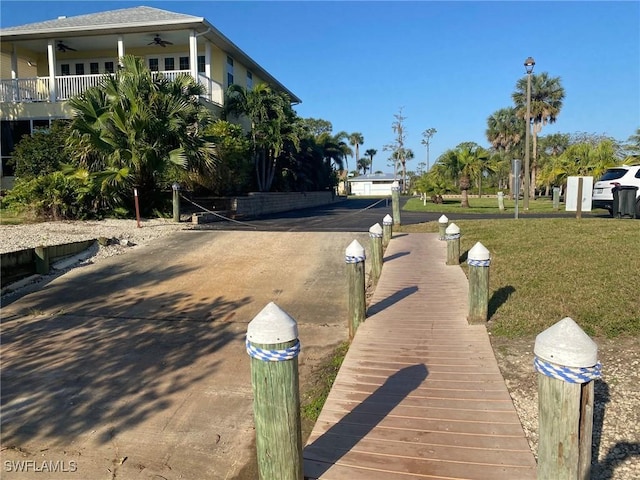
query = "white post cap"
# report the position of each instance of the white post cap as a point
(478, 252)
(566, 344)
(376, 229)
(355, 249)
(452, 229)
(443, 219)
(395, 184)
(387, 219)
(272, 325)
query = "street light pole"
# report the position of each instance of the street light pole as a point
(528, 65)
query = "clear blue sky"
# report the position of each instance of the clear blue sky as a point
(448, 64)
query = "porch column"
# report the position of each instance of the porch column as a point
(14, 73)
(207, 60)
(14, 62)
(120, 49)
(51, 56)
(193, 54)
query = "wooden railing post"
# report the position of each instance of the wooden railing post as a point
(452, 236)
(176, 201)
(375, 233)
(566, 360)
(395, 200)
(387, 230)
(272, 342)
(443, 223)
(478, 260)
(355, 257)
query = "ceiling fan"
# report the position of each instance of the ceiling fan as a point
(63, 48)
(157, 40)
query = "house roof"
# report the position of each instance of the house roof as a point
(129, 17)
(139, 23)
(380, 177)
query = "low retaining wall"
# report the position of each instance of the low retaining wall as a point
(258, 203)
(23, 263)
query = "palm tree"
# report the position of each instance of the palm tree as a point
(138, 130)
(355, 140)
(547, 95)
(371, 152)
(363, 164)
(504, 131)
(270, 117)
(466, 161)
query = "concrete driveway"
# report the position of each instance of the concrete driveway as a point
(135, 368)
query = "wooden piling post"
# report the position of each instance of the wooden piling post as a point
(501, 201)
(443, 223)
(478, 260)
(355, 257)
(272, 342)
(375, 233)
(395, 200)
(566, 360)
(176, 201)
(387, 230)
(452, 236)
(42, 260)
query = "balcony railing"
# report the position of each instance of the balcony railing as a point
(21, 90)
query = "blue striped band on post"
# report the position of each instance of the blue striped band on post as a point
(453, 236)
(375, 235)
(478, 263)
(354, 259)
(568, 374)
(273, 355)
(385, 223)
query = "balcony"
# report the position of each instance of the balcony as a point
(38, 89)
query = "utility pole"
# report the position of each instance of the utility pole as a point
(427, 134)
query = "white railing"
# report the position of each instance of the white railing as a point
(21, 90)
(37, 89)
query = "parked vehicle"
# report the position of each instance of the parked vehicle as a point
(616, 177)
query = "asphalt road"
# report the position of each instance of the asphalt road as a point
(354, 214)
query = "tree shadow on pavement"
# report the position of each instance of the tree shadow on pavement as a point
(112, 358)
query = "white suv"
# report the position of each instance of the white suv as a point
(622, 176)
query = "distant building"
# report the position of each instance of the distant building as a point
(375, 185)
(44, 64)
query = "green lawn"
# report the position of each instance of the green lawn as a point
(484, 205)
(543, 270)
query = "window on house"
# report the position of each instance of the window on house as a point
(201, 64)
(153, 64)
(169, 64)
(79, 68)
(65, 69)
(229, 71)
(94, 68)
(108, 67)
(249, 79)
(184, 63)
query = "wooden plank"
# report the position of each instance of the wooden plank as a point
(422, 424)
(412, 466)
(380, 432)
(479, 405)
(330, 445)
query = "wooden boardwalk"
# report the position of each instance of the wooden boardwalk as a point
(419, 395)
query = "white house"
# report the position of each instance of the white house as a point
(375, 185)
